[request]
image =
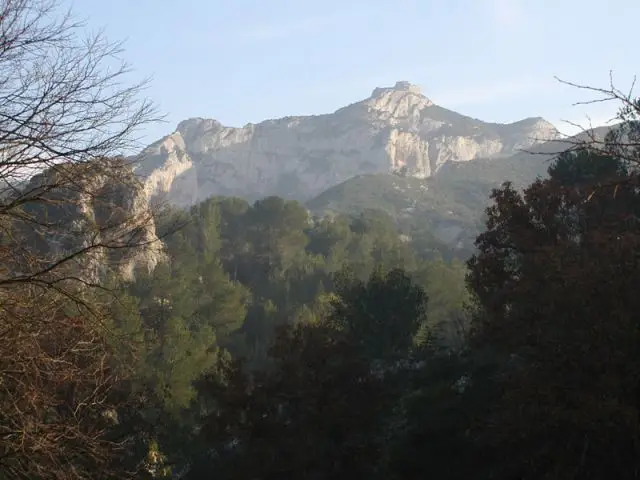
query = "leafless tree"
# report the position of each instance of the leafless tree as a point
(623, 137)
(54, 392)
(70, 208)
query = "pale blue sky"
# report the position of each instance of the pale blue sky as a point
(243, 61)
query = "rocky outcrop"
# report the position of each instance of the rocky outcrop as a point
(396, 128)
(96, 216)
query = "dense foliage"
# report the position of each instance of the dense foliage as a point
(555, 281)
(278, 344)
(271, 287)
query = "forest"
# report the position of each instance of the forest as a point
(268, 343)
(243, 279)
(277, 344)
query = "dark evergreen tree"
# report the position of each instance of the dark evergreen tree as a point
(555, 282)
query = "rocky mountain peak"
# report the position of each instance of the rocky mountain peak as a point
(194, 127)
(400, 86)
(395, 128)
(533, 130)
(402, 100)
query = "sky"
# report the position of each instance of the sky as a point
(242, 61)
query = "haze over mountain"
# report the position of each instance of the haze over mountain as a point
(395, 129)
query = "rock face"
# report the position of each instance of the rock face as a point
(396, 128)
(97, 214)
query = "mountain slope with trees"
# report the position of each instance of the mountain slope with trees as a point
(269, 342)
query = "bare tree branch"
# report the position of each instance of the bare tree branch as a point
(623, 139)
(71, 212)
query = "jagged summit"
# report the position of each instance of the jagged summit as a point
(396, 128)
(402, 101)
(400, 86)
(197, 125)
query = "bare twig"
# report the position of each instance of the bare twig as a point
(71, 210)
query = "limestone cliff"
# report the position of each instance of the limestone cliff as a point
(96, 215)
(396, 128)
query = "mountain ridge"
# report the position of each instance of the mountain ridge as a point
(450, 205)
(298, 157)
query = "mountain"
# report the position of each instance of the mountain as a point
(396, 129)
(447, 213)
(449, 206)
(99, 208)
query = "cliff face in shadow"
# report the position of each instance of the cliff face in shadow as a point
(91, 219)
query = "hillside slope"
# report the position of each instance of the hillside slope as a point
(448, 206)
